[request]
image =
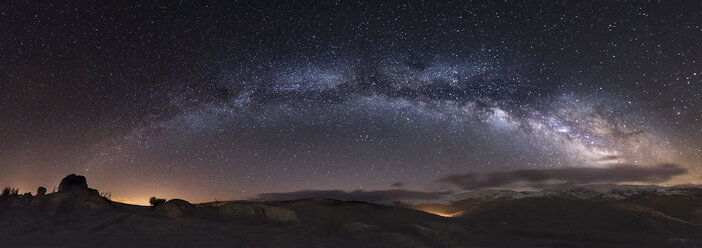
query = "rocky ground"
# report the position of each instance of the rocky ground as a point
(77, 216)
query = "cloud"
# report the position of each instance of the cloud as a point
(609, 158)
(398, 184)
(576, 175)
(357, 195)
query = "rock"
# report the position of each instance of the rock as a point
(92, 203)
(182, 204)
(26, 198)
(279, 214)
(677, 242)
(235, 210)
(14, 202)
(41, 191)
(169, 210)
(72, 181)
(174, 208)
(359, 227)
(76, 185)
(698, 212)
(38, 202)
(60, 202)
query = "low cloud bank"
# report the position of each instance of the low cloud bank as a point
(619, 173)
(357, 195)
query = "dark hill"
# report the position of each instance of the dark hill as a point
(78, 216)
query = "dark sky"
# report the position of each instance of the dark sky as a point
(197, 100)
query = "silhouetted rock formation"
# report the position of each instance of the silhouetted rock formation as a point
(93, 202)
(73, 194)
(174, 208)
(620, 216)
(59, 203)
(76, 185)
(279, 214)
(237, 210)
(41, 191)
(256, 211)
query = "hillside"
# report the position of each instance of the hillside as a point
(77, 216)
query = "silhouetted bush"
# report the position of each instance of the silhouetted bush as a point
(9, 191)
(155, 201)
(106, 195)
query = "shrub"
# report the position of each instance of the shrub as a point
(106, 195)
(155, 201)
(9, 191)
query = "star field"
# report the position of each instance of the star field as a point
(199, 100)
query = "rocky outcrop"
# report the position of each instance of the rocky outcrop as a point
(174, 208)
(236, 210)
(253, 211)
(76, 185)
(92, 203)
(359, 227)
(257, 212)
(279, 214)
(41, 191)
(73, 196)
(59, 203)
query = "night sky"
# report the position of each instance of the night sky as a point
(200, 100)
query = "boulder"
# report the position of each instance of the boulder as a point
(359, 227)
(169, 210)
(26, 198)
(92, 203)
(678, 242)
(279, 214)
(174, 208)
(76, 185)
(72, 181)
(13, 202)
(236, 210)
(41, 191)
(60, 202)
(182, 204)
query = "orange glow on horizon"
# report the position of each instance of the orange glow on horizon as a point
(133, 201)
(447, 215)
